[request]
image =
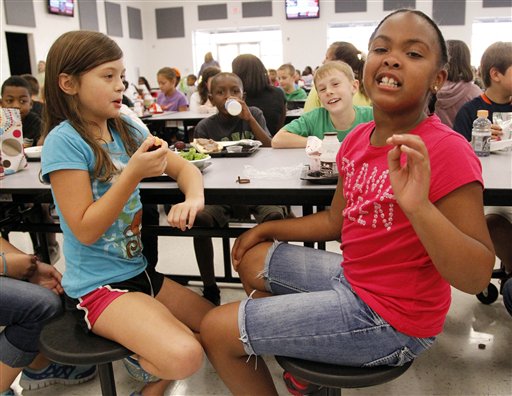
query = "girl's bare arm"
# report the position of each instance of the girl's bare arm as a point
(285, 139)
(89, 219)
(190, 182)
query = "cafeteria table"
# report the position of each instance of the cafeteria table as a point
(274, 176)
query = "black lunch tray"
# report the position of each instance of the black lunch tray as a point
(246, 151)
(316, 177)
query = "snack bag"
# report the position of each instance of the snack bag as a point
(11, 141)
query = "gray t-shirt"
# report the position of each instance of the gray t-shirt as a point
(223, 127)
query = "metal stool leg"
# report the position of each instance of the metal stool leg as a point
(107, 381)
(226, 251)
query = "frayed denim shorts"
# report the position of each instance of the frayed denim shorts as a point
(315, 315)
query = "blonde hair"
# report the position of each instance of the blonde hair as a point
(329, 67)
(76, 53)
(288, 67)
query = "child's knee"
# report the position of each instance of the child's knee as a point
(213, 328)
(182, 359)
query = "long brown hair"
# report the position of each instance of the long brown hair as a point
(76, 53)
(459, 61)
(202, 88)
(252, 72)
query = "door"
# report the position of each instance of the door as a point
(18, 52)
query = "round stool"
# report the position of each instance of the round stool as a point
(334, 377)
(63, 341)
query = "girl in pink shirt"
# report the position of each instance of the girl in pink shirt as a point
(401, 205)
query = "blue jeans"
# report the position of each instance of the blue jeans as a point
(24, 308)
(315, 315)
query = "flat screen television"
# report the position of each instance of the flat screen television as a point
(302, 9)
(62, 7)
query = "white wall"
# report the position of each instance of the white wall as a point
(304, 42)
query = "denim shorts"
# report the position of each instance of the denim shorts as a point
(315, 315)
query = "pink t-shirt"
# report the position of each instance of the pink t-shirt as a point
(384, 260)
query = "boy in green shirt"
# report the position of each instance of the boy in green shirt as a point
(286, 78)
(336, 85)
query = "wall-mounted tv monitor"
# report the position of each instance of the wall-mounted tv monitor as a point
(302, 9)
(62, 7)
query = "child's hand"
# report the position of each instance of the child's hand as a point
(410, 182)
(496, 132)
(47, 276)
(243, 243)
(145, 163)
(20, 265)
(183, 215)
(246, 113)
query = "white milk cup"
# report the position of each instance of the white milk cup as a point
(233, 107)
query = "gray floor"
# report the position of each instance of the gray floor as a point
(473, 355)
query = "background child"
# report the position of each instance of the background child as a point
(272, 75)
(401, 205)
(188, 86)
(95, 160)
(144, 86)
(169, 98)
(199, 101)
(307, 77)
(459, 87)
(16, 93)
(336, 86)
(496, 72)
(37, 105)
(348, 53)
(286, 78)
(259, 92)
(26, 303)
(250, 124)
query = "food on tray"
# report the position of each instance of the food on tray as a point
(179, 145)
(155, 109)
(207, 145)
(192, 155)
(156, 145)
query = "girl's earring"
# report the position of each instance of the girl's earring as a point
(435, 89)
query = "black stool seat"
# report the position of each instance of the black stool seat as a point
(335, 376)
(63, 341)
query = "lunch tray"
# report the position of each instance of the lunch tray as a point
(246, 151)
(316, 177)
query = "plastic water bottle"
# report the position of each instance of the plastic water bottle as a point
(481, 134)
(233, 107)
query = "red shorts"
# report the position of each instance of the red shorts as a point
(90, 306)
